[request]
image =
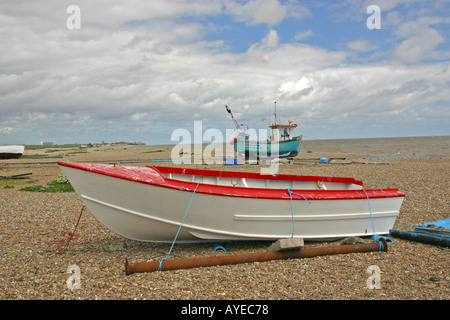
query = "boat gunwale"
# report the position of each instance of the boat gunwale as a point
(231, 191)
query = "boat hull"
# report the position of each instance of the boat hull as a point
(11, 151)
(267, 149)
(142, 208)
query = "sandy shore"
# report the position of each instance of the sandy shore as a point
(420, 167)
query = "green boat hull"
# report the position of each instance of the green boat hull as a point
(267, 149)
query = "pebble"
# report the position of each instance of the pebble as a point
(33, 270)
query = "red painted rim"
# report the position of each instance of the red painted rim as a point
(153, 175)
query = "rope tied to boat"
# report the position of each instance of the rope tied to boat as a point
(181, 224)
(62, 245)
(375, 237)
(292, 210)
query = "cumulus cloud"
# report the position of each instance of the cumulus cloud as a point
(362, 45)
(140, 66)
(269, 12)
(303, 35)
(418, 40)
(294, 90)
(6, 130)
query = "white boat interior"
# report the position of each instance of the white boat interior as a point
(263, 183)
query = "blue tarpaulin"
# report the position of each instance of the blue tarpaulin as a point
(445, 223)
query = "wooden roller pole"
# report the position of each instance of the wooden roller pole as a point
(251, 257)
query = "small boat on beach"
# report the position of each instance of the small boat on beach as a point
(155, 203)
(282, 142)
(12, 151)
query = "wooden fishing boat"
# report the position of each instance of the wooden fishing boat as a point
(285, 148)
(150, 203)
(282, 142)
(12, 151)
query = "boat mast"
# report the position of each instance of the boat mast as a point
(275, 113)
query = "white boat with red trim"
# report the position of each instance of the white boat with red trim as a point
(151, 203)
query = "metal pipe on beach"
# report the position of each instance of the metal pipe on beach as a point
(174, 264)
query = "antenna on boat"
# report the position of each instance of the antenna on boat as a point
(275, 113)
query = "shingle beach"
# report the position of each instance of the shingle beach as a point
(32, 270)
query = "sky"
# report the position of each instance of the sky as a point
(137, 71)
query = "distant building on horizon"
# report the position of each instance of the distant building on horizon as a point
(46, 143)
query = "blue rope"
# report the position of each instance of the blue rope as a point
(374, 237)
(292, 210)
(370, 210)
(182, 221)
